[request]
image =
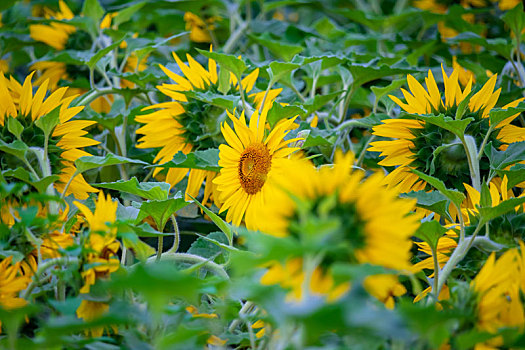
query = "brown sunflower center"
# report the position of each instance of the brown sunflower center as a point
(254, 165)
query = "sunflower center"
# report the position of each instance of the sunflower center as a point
(254, 165)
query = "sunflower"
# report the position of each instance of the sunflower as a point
(102, 243)
(55, 34)
(67, 138)
(497, 291)
(415, 141)
(371, 224)
(247, 163)
(186, 124)
(55, 72)
(290, 275)
(12, 281)
(199, 29)
(101, 260)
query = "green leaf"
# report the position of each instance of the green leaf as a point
(364, 73)
(280, 49)
(140, 249)
(92, 162)
(204, 160)
(454, 195)
(515, 19)
(462, 107)
(42, 184)
(228, 102)
(126, 14)
(15, 127)
(229, 62)
(489, 213)
(457, 127)
(221, 224)
(158, 283)
(515, 175)
(499, 160)
(319, 137)
(499, 45)
(208, 246)
(314, 104)
(433, 200)
(16, 148)
(147, 190)
(224, 81)
(382, 91)
(430, 232)
(93, 10)
(101, 53)
(160, 210)
(277, 70)
(279, 112)
(49, 121)
(497, 115)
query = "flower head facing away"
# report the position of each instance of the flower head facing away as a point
(65, 142)
(414, 141)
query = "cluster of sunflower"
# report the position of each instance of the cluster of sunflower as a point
(254, 175)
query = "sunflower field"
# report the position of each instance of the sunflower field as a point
(256, 174)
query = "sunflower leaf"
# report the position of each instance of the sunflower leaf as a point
(430, 232)
(228, 102)
(49, 121)
(284, 51)
(221, 224)
(147, 190)
(229, 62)
(515, 19)
(497, 115)
(203, 160)
(454, 195)
(434, 201)
(92, 162)
(499, 160)
(16, 148)
(140, 249)
(126, 14)
(515, 174)
(160, 210)
(15, 127)
(489, 213)
(277, 70)
(457, 127)
(364, 73)
(279, 112)
(101, 53)
(93, 10)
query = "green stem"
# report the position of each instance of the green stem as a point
(68, 183)
(94, 94)
(241, 90)
(480, 154)
(436, 270)
(363, 151)
(265, 95)
(457, 255)
(192, 259)
(176, 235)
(234, 38)
(470, 149)
(42, 269)
(159, 248)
